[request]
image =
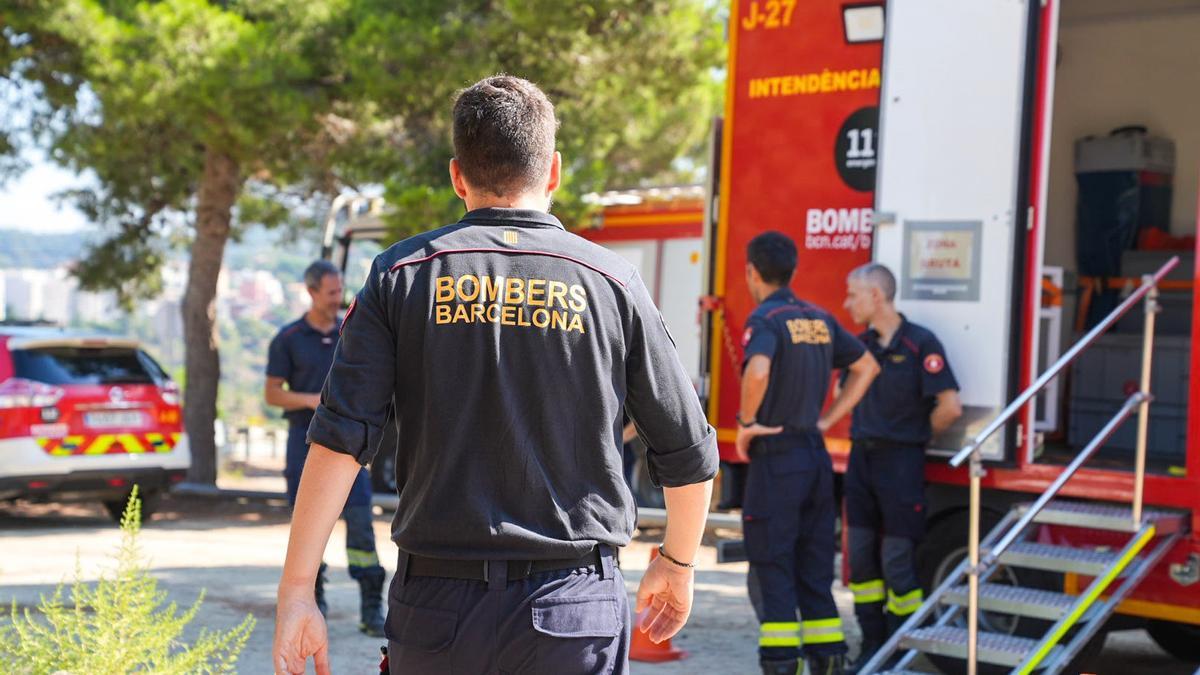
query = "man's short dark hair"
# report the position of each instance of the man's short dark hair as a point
(774, 256)
(504, 134)
(315, 273)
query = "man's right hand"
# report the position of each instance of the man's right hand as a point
(666, 590)
(299, 633)
(747, 434)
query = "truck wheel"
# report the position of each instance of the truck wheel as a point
(149, 498)
(1180, 640)
(944, 547)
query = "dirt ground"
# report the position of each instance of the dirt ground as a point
(234, 550)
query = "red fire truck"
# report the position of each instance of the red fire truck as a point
(1020, 166)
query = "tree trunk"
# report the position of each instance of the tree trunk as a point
(219, 188)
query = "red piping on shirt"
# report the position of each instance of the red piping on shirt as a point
(405, 263)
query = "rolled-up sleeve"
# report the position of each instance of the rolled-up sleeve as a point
(357, 395)
(660, 398)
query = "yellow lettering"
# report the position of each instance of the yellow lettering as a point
(873, 79)
(463, 296)
(514, 292)
(853, 80)
(443, 313)
(578, 298)
(506, 315)
(576, 323)
(558, 320)
(556, 290)
(521, 320)
(537, 289)
(490, 288)
(774, 86)
(493, 313)
(789, 86)
(476, 313)
(541, 318)
(839, 80)
(445, 289)
(460, 314)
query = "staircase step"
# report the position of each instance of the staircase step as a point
(1105, 517)
(1001, 650)
(1015, 600)
(1058, 558)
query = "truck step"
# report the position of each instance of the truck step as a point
(1058, 558)
(1105, 517)
(1001, 650)
(1015, 600)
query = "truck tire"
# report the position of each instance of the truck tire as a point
(116, 507)
(1180, 640)
(945, 545)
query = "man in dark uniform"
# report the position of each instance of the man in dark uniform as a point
(791, 351)
(300, 357)
(510, 348)
(914, 397)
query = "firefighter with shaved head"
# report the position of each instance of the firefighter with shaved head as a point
(914, 398)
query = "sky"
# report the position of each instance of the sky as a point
(26, 204)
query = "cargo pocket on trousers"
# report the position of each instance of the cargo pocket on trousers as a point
(418, 638)
(756, 537)
(577, 634)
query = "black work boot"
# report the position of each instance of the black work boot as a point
(864, 655)
(834, 664)
(370, 590)
(784, 667)
(319, 591)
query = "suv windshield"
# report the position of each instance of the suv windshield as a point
(83, 365)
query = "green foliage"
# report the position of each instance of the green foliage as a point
(119, 625)
(312, 97)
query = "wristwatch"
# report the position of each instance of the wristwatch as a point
(744, 423)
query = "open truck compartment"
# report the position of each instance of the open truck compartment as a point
(1121, 201)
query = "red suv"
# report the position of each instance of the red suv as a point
(85, 417)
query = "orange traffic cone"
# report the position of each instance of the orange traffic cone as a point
(640, 646)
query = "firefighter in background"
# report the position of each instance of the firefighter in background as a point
(914, 398)
(300, 357)
(791, 351)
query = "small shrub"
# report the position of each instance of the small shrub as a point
(118, 625)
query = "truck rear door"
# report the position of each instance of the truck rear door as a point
(950, 214)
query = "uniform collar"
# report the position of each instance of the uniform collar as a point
(512, 217)
(872, 335)
(309, 328)
(783, 294)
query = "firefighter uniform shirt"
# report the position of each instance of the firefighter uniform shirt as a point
(510, 347)
(301, 354)
(805, 344)
(913, 371)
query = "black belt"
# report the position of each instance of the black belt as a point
(884, 444)
(477, 570)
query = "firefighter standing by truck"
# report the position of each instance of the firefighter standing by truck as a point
(791, 351)
(914, 397)
(300, 356)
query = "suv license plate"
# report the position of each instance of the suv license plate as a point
(112, 420)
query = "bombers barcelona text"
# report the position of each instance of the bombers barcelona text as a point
(509, 301)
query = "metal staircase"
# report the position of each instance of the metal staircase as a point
(948, 623)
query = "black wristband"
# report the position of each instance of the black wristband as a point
(669, 559)
(743, 423)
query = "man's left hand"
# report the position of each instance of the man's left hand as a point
(747, 434)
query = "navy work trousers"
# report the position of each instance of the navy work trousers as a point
(885, 513)
(563, 622)
(788, 523)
